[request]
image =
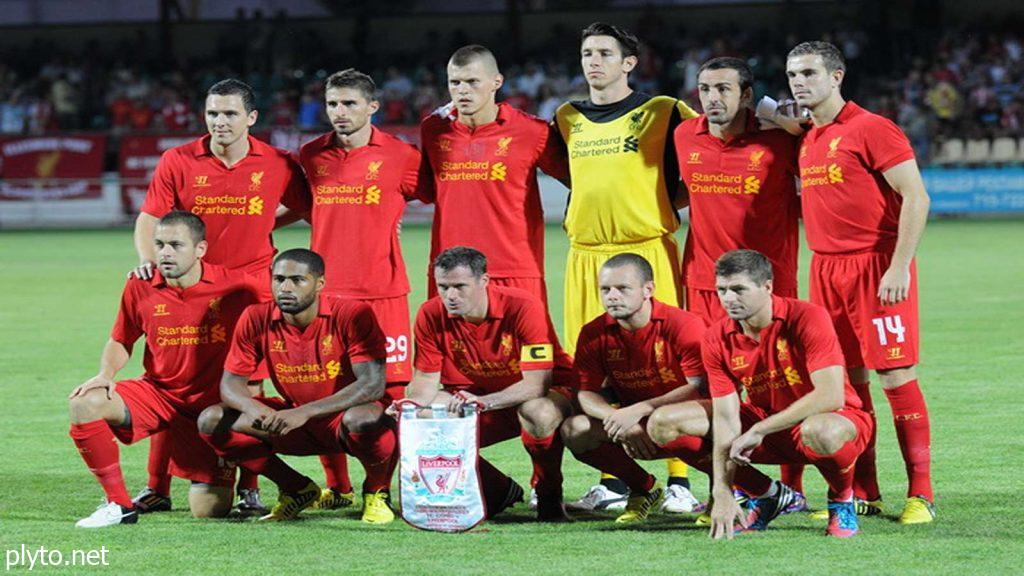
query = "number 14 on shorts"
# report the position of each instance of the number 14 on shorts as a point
(890, 325)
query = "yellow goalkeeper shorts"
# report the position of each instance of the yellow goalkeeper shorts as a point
(582, 296)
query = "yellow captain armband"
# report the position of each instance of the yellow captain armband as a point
(537, 353)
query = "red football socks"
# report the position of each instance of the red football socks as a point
(865, 473)
(792, 475)
(546, 454)
(247, 480)
(376, 450)
(159, 461)
(96, 444)
(336, 471)
(910, 414)
(612, 459)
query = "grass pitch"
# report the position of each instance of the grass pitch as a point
(60, 294)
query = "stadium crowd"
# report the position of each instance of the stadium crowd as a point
(960, 84)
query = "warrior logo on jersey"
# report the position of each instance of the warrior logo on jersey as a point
(444, 144)
(373, 170)
(615, 354)
(255, 181)
(503, 144)
(577, 128)
(322, 170)
(277, 346)
(833, 147)
(694, 158)
(739, 362)
(201, 182)
(160, 310)
(755, 160)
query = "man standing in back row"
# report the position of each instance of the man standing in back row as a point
(865, 208)
(625, 180)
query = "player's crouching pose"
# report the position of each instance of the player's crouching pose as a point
(187, 311)
(799, 406)
(326, 359)
(498, 339)
(644, 353)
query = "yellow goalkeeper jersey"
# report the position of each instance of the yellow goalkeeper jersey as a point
(623, 168)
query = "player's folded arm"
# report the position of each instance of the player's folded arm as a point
(234, 391)
(423, 386)
(535, 384)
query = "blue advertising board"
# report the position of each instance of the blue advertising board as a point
(975, 190)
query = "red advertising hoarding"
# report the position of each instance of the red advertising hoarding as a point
(51, 167)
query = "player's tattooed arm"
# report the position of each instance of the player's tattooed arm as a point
(726, 427)
(114, 357)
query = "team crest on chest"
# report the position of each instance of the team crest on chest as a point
(503, 144)
(373, 170)
(782, 347)
(255, 181)
(636, 121)
(327, 344)
(506, 344)
(659, 351)
(755, 160)
(833, 147)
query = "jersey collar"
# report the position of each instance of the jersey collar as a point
(849, 110)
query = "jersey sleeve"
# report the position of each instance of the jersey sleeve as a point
(410, 185)
(687, 338)
(161, 195)
(588, 368)
(296, 191)
(362, 333)
(537, 352)
(885, 145)
(246, 351)
(553, 158)
(720, 382)
(127, 327)
(428, 346)
(817, 335)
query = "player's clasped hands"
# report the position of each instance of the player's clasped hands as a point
(621, 420)
(726, 513)
(98, 381)
(280, 422)
(638, 444)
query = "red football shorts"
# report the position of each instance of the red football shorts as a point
(316, 436)
(787, 446)
(154, 410)
(705, 303)
(393, 316)
(871, 335)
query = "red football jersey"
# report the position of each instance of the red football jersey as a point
(644, 364)
(237, 204)
(485, 187)
(188, 331)
(493, 354)
(742, 195)
(356, 199)
(776, 370)
(307, 364)
(848, 207)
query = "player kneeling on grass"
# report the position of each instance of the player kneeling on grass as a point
(498, 339)
(644, 353)
(187, 311)
(326, 358)
(799, 409)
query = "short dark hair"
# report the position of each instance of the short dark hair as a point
(730, 63)
(628, 43)
(196, 226)
(472, 52)
(303, 256)
(830, 55)
(233, 87)
(352, 78)
(643, 267)
(457, 256)
(749, 262)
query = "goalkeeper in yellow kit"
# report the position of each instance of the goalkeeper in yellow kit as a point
(624, 183)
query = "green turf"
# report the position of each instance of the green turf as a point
(60, 292)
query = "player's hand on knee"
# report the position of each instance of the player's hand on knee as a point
(98, 381)
(143, 271)
(894, 286)
(725, 514)
(638, 444)
(744, 446)
(284, 421)
(620, 421)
